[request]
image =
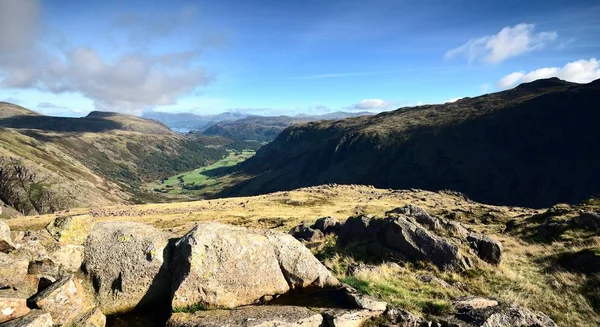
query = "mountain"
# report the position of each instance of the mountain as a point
(534, 145)
(266, 128)
(191, 121)
(100, 159)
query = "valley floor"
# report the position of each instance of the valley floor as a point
(528, 274)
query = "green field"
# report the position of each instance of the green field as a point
(203, 179)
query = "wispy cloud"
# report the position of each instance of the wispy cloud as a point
(580, 71)
(509, 42)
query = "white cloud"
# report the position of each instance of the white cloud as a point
(371, 104)
(509, 42)
(129, 82)
(580, 71)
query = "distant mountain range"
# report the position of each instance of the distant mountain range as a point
(239, 126)
(534, 145)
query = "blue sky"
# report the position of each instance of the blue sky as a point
(284, 57)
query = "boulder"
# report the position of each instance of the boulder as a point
(65, 300)
(416, 243)
(304, 232)
(127, 264)
(67, 256)
(72, 229)
(348, 318)
(13, 272)
(12, 308)
(327, 225)
(35, 318)
(433, 280)
(361, 301)
(6, 244)
(584, 261)
(401, 317)
(44, 267)
(94, 318)
(31, 249)
(489, 250)
(252, 316)
(588, 220)
(222, 266)
(505, 315)
(355, 230)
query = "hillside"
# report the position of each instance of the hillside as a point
(191, 121)
(96, 160)
(536, 246)
(266, 128)
(534, 145)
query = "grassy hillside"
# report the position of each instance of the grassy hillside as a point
(533, 145)
(100, 159)
(529, 273)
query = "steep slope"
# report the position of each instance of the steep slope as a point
(533, 145)
(100, 159)
(8, 110)
(266, 128)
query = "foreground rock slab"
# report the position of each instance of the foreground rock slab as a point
(36, 318)
(12, 308)
(258, 316)
(223, 266)
(65, 300)
(127, 263)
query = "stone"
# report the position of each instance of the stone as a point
(223, 266)
(488, 249)
(67, 256)
(305, 233)
(71, 229)
(94, 318)
(585, 261)
(12, 308)
(13, 271)
(401, 317)
(31, 249)
(517, 316)
(35, 318)
(361, 301)
(127, 263)
(354, 230)
(252, 316)
(433, 280)
(327, 225)
(65, 300)
(45, 267)
(348, 318)
(474, 302)
(6, 243)
(589, 220)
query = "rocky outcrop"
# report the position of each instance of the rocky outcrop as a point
(435, 224)
(253, 316)
(304, 232)
(402, 318)
(12, 308)
(72, 229)
(488, 249)
(588, 220)
(36, 318)
(217, 265)
(65, 300)
(401, 238)
(348, 318)
(6, 244)
(127, 264)
(505, 315)
(361, 301)
(327, 225)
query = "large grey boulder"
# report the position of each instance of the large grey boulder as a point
(127, 263)
(6, 244)
(304, 232)
(505, 315)
(355, 230)
(488, 249)
(253, 316)
(327, 225)
(35, 318)
(223, 266)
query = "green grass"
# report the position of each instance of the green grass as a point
(201, 177)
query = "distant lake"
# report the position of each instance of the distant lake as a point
(181, 130)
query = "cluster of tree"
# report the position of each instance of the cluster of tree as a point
(24, 190)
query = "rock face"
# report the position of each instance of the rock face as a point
(6, 244)
(261, 316)
(224, 266)
(327, 225)
(12, 308)
(71, 230)
(35, 319)
(127, 263)
(304, 232)
(403, 238)
(65, 300)
(489, 250)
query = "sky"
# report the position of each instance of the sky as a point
(70, 57)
